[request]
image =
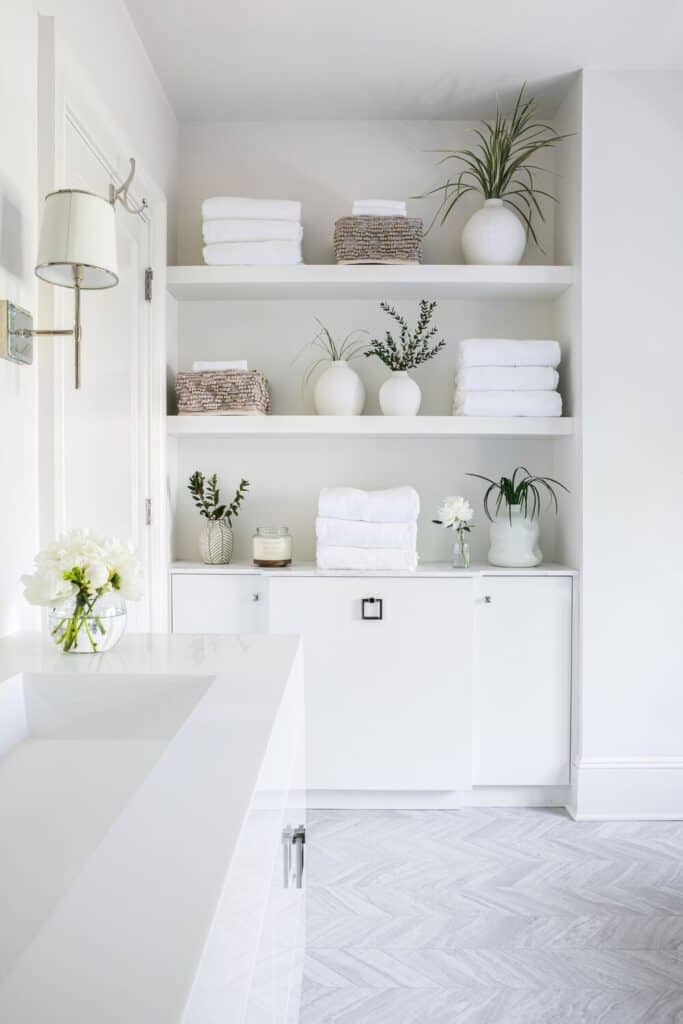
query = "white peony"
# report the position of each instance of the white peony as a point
(454, 512)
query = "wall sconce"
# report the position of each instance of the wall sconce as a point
(77, 250)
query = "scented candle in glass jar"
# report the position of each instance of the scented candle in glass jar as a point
(272, 547)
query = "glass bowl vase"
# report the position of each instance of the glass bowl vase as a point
(88, 628)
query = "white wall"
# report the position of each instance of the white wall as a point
(632, 700)
(326, 165)
(100, 38)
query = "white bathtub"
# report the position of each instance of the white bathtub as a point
(141, 814)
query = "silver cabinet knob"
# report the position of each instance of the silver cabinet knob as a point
(487, 599)
(256, 597)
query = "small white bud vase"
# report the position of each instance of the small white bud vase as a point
(215, 542)
(400, 395)
(493, 235)
(514, 540)
(339, 391)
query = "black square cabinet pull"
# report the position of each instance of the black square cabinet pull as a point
(371, 609)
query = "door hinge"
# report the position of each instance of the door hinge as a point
(149, 277)
(148, 511)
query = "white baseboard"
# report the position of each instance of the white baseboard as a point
(627, 789)
(480, 796)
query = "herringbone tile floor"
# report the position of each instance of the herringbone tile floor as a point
(492, 916)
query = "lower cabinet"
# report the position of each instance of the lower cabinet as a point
(522, 681)
(213, 603)
(387, 668)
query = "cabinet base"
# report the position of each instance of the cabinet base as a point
(479, 796)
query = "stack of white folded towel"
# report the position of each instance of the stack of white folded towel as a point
(507, 377)
(251, 232)
(367, 530)
(379, 208)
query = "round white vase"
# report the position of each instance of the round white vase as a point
(514, 540)
(493, 235)
(400, 395)
(215, 543)
(339, 391)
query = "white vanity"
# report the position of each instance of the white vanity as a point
(420, 688)
(151, 804)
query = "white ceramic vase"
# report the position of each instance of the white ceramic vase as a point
(493, 235)
(339, 391)
(400, 395)
(514, 540)
(215, 543)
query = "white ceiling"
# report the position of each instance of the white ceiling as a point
(260, 59)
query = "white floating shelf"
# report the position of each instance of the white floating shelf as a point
(322, 281)
(367, 426)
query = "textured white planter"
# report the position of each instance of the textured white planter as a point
(215, 543)
(339, 391)
(400, 395)
(514, 545)
(493, 235)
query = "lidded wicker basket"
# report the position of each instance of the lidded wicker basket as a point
(222, 393)
(365, 239)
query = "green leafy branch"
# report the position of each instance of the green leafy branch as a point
(413, 347)
(207, 497)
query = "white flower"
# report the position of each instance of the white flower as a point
(47, 587)
(455, 512)
(98, 574)
(100, 560)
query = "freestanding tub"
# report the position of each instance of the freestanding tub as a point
(143, 795)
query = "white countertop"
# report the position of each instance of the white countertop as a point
(426, 569)
(123, 940)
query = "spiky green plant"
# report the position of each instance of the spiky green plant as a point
(413, 347)
(207, 497)
(333, 350)
(524, 491)
(499, 167)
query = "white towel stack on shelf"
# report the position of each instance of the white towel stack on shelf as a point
(251, 232)
(367, 530)
(507, 377)
(379, 208)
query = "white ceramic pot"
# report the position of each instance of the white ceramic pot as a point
(400, 395)
(339, 391)
(493, 235)
(215, 543)
(514, 540)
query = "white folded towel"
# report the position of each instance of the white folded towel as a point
(379, 208)
(251, 231)
(366, 559)
(508, 352)
(506, 378)
(254, 254)
(507, 403)
(223, 207)
(201, 366)
(396, 505)
(348, 533)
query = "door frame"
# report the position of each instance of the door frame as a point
(68, 100)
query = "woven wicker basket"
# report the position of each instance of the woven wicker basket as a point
(223, 393)
(378, 240)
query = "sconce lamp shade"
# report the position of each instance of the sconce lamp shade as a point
(78, 230)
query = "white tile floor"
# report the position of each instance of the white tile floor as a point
(496, 916)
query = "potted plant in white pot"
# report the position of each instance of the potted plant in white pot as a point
(338, 391)
(503, 170)
(514, 529)
(400, 395)
(215, 539)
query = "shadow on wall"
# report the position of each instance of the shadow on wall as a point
(11, 235)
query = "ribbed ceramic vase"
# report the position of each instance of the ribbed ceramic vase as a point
(514, 540)
(215, 543)
(493, 235)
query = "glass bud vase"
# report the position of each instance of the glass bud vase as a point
(461, 553)
(88, 629)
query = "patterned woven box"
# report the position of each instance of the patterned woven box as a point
(222, 393)
(378, 240)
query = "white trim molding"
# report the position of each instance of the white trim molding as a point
(453, 800)
(627, 788)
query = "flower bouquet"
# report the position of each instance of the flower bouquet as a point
(85, 581)
(455, 513)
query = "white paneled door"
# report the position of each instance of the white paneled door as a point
(102, 429)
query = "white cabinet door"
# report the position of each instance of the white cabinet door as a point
(387, 700)
(522, 690)
(212, 603)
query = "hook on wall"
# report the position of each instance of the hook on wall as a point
(121, 193)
